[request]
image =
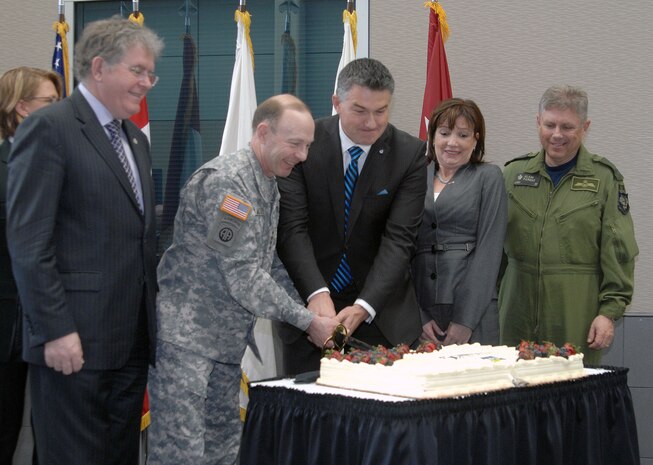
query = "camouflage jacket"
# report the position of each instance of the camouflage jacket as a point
(215, 278)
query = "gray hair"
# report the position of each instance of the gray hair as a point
(364, 72)
(563, 97)
(110, 39)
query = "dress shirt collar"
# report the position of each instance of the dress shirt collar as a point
(101, 112)
(347, 143)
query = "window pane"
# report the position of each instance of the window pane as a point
(307, 37)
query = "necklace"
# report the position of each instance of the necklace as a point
(450, 181)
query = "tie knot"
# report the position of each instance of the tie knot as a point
(113, 126)
(355, 151)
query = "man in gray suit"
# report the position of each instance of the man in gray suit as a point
(81, 235)
(347, 236)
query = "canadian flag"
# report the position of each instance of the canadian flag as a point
(142, 119)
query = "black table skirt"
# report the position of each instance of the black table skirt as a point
(585, 421)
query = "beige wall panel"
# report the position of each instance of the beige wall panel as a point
(504, 54)
(27, 34)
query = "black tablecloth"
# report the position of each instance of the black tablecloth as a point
(585, 421)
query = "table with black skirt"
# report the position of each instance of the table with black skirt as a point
(585, 421)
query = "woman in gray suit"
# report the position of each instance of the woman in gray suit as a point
(460, 240)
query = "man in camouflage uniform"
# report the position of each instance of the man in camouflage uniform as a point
(214, 280)
(570, 241)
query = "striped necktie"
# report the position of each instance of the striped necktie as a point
(343, 277)
(114, 130)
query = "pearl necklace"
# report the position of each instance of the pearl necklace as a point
(450, 181)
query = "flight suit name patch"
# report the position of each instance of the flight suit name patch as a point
(527, 179)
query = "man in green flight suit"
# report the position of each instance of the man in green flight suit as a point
(570, 243)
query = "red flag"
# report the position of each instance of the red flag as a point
(142, 120)
(438, 83)
(145, 412)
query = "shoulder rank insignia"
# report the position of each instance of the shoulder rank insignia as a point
(622, 202)
(235, 207)
(527, 179)
(584, 184)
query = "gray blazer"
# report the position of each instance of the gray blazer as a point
(459, 248)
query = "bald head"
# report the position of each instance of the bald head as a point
(283, 131)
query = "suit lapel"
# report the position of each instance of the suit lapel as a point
(429, 200)
(335, 173)
(375, 159)
(96, 135)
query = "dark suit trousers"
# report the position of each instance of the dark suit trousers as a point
(301, 355)
(12, 394)
(92, 416)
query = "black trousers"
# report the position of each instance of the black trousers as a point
(13, 376)
(92, 416)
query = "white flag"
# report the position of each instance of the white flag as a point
(348, 44)
(237, 135)
(242, 97)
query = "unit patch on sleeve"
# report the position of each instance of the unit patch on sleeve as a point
(623, 204)
(232, 215)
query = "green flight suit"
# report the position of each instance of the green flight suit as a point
(570, 251)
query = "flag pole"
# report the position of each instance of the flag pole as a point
(135, 11)
(243, 6)
(349, 41)
(60, 56)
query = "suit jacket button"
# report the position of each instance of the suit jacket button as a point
(433, 225)
(434, 275)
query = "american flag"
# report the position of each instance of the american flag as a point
(60, 55)
(235, 207)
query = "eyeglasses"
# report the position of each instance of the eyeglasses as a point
(48, 100)
(141, 73)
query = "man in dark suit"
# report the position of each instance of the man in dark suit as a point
(81, 235)
(23, 90)
(349, 218)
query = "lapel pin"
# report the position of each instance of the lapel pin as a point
(380, 150)
(135, 141)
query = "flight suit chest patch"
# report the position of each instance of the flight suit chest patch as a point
(584, 184)
(622, 202)
(527, 179)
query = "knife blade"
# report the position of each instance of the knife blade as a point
(340, 337)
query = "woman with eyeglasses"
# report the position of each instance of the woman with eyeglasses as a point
(23, 90)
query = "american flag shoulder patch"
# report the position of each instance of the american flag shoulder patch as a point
(235, 207)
